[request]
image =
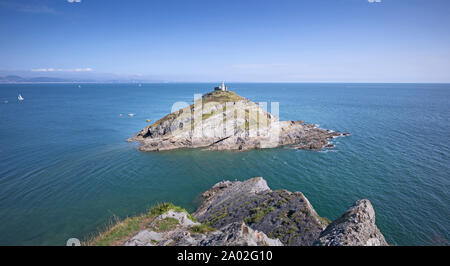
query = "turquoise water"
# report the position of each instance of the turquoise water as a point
(66, 168)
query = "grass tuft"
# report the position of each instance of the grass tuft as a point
(258, 214)
(201, 229)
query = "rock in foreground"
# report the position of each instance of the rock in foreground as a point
(246, 213)
(280, 214)
(356, 227)
(223, 120)
(287, 216)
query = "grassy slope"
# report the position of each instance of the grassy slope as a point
(120, 232)
(214, 96)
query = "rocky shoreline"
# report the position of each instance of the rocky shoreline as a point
(223, 120)
(247, 213)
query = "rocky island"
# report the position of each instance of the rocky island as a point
(223, 120)
(246, 213)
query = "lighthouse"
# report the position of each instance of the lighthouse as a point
(221, 88)
(224, 88)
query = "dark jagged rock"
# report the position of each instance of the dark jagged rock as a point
(280, 214)
(356, 227)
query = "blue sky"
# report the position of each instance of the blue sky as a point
(233, 40)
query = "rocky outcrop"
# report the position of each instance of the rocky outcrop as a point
(287, 216)
(176, 229)
(247, 213)
(223, 120)
(280, 214)
(356, 227)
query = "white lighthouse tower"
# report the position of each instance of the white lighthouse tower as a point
(224, 88)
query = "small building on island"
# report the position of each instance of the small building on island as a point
(221, 88)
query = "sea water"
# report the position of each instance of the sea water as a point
(66, 168)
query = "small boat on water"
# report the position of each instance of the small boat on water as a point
(131, 115)
(20, 98)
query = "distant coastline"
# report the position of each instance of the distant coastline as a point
(15, 79)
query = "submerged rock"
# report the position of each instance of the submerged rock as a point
(223, 120)
(356, 227)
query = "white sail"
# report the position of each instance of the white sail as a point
(20, 98)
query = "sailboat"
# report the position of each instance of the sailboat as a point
(20, 98)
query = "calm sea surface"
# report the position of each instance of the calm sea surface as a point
(66, 169)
